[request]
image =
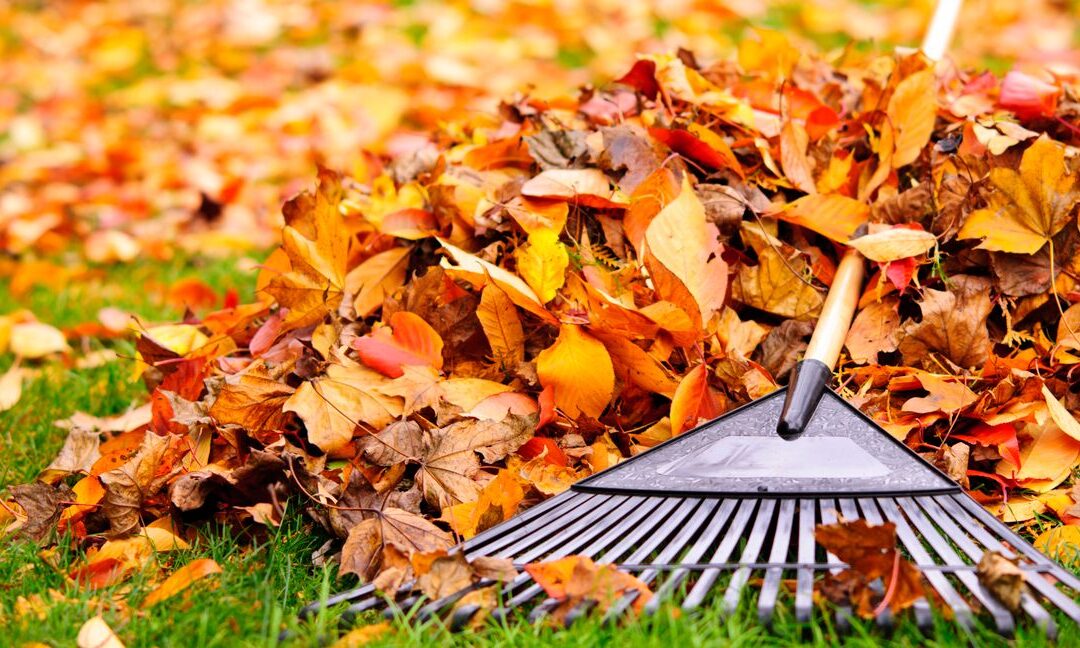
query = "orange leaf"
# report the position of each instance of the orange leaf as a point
(409, 340)
(693, 401)
(181, 579)
(833, 215)
(579, 371)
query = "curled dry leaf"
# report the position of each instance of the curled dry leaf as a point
(953, 326)
(1002, 578)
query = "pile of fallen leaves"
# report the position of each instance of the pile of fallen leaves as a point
(569, 283)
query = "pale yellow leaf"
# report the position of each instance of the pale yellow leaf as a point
(34, 340)
(894, 244)
(376, 278)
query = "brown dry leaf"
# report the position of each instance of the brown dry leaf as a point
(181, 579)
(579, 369)
(406, 532)
(41, 506)
(450, 463)
(575, 579)
(253, 401)
(334, 406)
(498, 501)
(871, 551)
(1002, 578)
(78, 455)
(953, 326)
(142, 477)
(1029, 206)
(876, 329)
(779, 283)
(376, 278)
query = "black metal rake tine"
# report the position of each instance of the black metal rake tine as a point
(538, 530)
(770, 589)
(1058, 598)
(734, 533)
(750, 554)
(914, 546)
(804, 585)
(701, 545)
(1003, 619)
(1041, 617)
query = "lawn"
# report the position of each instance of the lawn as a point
(269, 575)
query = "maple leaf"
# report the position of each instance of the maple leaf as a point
(953, 325)
(315, 242)
(407, 532)
(334, 406)
(253, 401)
(871, 552)
(1028, 207)
(449, 463)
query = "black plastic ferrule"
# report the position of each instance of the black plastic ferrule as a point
(807, 384)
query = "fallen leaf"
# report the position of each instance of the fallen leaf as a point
(502, 326)
(575, 579)
(1002, 578)
(181, 579)
(578, 369)
(11, 387)
(408, 340)
(912, 111)
(693, 402)
(35, 340)
(1061, 543)
(95, 633)
(894, 244)
(542, 262)
(1029, 206)
(953, 325)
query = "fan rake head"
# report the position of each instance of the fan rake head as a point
(692, 526)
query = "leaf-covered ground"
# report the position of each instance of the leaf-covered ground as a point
(542, 239)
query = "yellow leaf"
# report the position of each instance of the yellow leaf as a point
(579, 370)
(833, 215)
(502, 326)
(685, 243)
(1062, 417)
(912, 111)
(479, 273)
(793, 143)
(1027, 207)
(364, 635)
(95, 633)
(1060, 543)
(542, 263)
(10, 387)
(779, 283)
(181, 579)
(34, 340)
(894, 244)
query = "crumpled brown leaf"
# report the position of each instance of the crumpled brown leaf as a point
(953, 326)
(42, 504)
(1001, 577)
(407, 532)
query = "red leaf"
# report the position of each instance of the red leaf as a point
(901, 271)
(1003, 436)
(642, 77)
(690, 146)
(409, 340)
(1028, 96)
(546, 401)
(537, 446)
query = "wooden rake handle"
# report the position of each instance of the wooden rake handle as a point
(811, 375)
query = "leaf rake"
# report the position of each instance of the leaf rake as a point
(739, 498)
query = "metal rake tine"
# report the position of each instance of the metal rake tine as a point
(1058, 598)
(804, 585)
(476, 544)
(701, 545)
(844, 614)
(770, 589)
(374, 600)
(1003, 619)
(678, 541)
(1018, 543)
(914, 546)
(344, 597)
(750, 554)
(924, 616)
(1041, 617)
(543, 527)
(707, 577)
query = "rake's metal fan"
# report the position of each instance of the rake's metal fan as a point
(730, 501)
(740, 496)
